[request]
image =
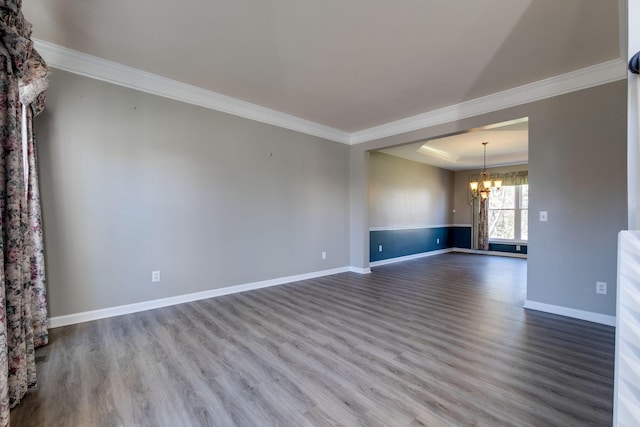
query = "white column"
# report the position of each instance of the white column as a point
(626, 411)
(633, 132)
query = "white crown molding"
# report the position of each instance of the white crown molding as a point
(86, 65)
(595, 75)
(76, 62)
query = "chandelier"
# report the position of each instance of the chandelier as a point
(483, 188)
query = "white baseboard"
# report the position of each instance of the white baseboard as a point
(360, 270)
(496, 253)
(87, 316)
(410, 257)
(590, 316)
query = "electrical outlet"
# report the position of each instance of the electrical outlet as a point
(379, 248)
(155, 276)
(601, 288)
(324, 255)
(438, 240)
(544, 216)
(518, 248)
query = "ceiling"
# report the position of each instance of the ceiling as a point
(349, 65)
(508, 144)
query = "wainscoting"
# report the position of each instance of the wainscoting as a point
(436, 341)
(402, 242)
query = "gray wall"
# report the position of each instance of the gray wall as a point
(132, 183)
(577, 172)
(406, 193)
(463, 214)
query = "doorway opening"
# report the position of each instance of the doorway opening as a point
(420, 201)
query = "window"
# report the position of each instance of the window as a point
(509, 214)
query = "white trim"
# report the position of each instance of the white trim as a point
(590, 316)
(415, 227)
(88, 316)
(594, 75)
(623, 19)
(86, 65)
(360, 270)
(76, 62)
(509, 242)
(495, 253)
(409, 257)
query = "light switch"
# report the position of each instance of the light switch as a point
(543, 216)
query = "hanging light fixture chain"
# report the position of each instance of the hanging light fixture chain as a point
(485, 156)
(485, 185)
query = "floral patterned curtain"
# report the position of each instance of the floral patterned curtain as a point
(483, 224)
(36, 286)
(23, 78)
(480, 216)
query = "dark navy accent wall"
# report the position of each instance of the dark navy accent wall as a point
(507, 247)
(399, 243)
(461, 237)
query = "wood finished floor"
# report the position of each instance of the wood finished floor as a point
(440, 341)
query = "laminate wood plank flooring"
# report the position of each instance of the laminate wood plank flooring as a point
(438, 341)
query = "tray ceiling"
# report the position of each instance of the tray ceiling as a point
(347, 65)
